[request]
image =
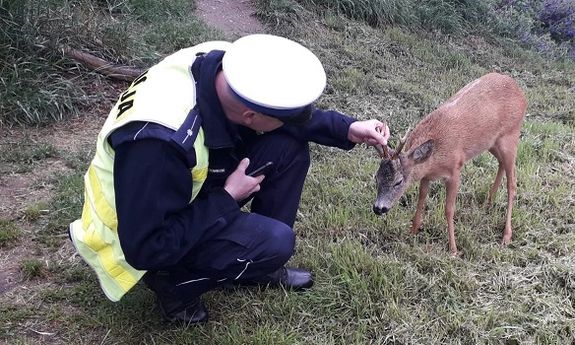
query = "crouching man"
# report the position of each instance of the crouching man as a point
(174, 165)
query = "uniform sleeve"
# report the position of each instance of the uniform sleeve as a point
(157, 225)
(327, 128)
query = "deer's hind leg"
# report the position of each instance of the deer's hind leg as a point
(507, 151)
(452, 186)
(500, 169)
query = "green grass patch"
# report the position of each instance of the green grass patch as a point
(36, 211)
(10, 319)
(32, 268)
(447, 16)
(23, 154)
(66, 206)
(9, 233)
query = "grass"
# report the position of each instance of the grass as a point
(9, 233)
(447, 16)
(40, 85)
(375, 283)
(32, 269)
(21, 155)
(35, 212)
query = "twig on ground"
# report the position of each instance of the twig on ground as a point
(102, 66)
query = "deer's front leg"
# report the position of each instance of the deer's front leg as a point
(423, 189)
(452, 186)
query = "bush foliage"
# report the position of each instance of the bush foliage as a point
(34, 87)
(39, 84)
(548, 26)
(558, 18)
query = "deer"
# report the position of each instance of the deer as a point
(485, 115)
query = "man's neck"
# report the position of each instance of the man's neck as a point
(227, 99)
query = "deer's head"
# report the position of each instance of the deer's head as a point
(393, 176)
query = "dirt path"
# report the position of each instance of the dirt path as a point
(233, 17)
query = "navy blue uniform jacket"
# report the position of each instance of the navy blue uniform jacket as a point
(157, 225)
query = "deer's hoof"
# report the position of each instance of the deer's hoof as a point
(454, 252)
(506, 241)
(415, 229)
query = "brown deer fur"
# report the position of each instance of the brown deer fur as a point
(485, 115)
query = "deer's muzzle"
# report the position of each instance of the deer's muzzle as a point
(380, 210)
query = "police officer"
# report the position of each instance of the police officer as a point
(173, 167)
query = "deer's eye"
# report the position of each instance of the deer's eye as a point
(398, 183)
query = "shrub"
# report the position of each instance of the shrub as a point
(558, 17)
(546, 25)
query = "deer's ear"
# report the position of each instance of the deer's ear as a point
(422, 152)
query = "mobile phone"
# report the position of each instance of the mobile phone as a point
(260, 170)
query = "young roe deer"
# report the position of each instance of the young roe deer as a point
(485, 115)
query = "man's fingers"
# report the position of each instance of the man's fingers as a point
(383, 132)
(371, 132)
(244, 163)
(383, 141)
(374, 141)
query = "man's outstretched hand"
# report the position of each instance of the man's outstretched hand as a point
(371, 132)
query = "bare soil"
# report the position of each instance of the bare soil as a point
(233, 17)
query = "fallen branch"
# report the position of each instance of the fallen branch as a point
(102, 66)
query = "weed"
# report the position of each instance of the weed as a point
(32, 268)
(9, 233)
(34, 212)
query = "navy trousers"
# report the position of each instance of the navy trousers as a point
(258, 242)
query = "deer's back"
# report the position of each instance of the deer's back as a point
(473, 119)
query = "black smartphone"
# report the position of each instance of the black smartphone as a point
(260, 170)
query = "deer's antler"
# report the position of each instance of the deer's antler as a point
(401, 144)
(383, 151)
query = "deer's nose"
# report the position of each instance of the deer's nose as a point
(380, 210)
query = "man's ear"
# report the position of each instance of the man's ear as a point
(248, 116)
(422, 152)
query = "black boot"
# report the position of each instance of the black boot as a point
(194, 312)
(290, 278)
(172, 307)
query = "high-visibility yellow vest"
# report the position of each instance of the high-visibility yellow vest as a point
(165, 94)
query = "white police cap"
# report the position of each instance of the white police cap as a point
(273, 75)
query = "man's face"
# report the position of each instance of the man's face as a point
(263, 123)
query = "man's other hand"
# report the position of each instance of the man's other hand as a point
(239, 185)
